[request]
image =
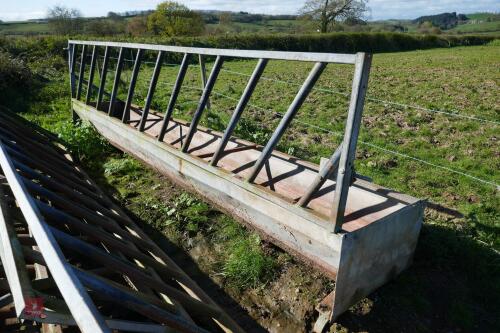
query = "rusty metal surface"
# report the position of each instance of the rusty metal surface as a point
(132, 282)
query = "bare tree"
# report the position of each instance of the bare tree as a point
(225, 18)
(64, 20)
(327, 12)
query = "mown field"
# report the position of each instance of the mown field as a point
(454, 284)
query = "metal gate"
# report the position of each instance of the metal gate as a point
(94, 267)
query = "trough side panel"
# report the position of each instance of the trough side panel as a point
(293, 233)
(374, 255)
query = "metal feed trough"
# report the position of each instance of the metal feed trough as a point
(358, 233)
(66, 248)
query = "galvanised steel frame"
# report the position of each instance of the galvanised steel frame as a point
(342, 161)
(327, 243)
(52, 215)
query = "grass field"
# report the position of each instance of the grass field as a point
(24, 28)
(476, 27)
(454, 284)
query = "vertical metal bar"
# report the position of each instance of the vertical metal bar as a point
(203, 72)
(151, 91)
(175, 94)
(353, 124)
(131, 89)
(71, 62)
(252, 83)
(325, 173)
(90, 85)
(81, 72)
(114, 92)
(104, 73)
(287, 118)
(203, 102)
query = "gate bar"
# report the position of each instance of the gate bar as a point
(90, 85)
(71, 57)
(131, 89)
(287, 118)
(151, 91)
(203, 101)
(82, 71)
(104, 74)
(175, 93)
(112, 291)
(252, 83)
(340, 58)
(203, 72)
(84, 311)
(325, 173)
(114, 92)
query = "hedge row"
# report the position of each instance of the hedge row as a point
(333, 43)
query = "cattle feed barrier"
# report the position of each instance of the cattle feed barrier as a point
(358, 233)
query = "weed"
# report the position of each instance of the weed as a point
(84, 141)
(122, 166)
(188, 213)
(247, 265)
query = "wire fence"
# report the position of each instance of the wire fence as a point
(365, 143)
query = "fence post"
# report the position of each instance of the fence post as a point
(353, 124)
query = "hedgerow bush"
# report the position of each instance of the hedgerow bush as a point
(14, 73)
(34, 47)
(343, 42)
(332, 42)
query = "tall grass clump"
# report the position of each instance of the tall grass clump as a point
(83, 141)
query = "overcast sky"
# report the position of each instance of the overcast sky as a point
(380, 9)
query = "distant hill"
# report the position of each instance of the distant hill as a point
(444, 21)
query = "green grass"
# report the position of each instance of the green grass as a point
(483, 16)
(24, 28)
(455, 279)
(476, 27)
(183, 217)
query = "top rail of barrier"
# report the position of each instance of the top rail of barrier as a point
(340, 58)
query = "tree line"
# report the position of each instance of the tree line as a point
(174, 19)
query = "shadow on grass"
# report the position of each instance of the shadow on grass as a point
(181, 258)
(452, 286)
